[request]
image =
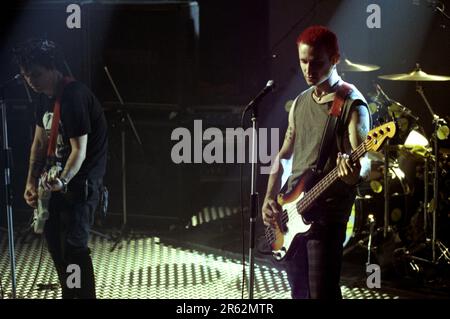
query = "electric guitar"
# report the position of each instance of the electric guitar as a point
(291, 223)
(41, 213)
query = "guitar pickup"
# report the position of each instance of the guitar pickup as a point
(282, 220)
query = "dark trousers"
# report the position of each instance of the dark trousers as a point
(67, 235)
(314, 268)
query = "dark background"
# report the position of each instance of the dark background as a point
(174, 62)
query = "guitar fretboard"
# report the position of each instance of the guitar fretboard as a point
(327, 181)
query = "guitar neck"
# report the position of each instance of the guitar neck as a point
(326, 182)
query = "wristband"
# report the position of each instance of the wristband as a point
(64, 182)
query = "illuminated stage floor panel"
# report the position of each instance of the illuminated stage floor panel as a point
(149, 268)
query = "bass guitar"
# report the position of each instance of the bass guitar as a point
(291, 223)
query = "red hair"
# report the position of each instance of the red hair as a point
(320, 36)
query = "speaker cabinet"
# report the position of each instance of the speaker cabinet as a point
(150, 50)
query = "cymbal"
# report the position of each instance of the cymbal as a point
(347, 66)
(397, 107)
(417, 75)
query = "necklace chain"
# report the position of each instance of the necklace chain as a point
(319, 97)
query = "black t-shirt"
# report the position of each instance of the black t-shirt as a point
(81, 114)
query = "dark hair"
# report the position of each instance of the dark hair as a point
(39, 52)
(320, 37)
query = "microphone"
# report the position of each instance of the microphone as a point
(268, 88)
(391, 101)
(113, 84)
(381, 92)
(16, 78)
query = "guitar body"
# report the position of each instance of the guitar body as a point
(41, 213)
(290, 224)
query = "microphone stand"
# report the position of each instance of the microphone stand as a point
(254, 197)
(124, 117)
(254, 201)
(8, 191)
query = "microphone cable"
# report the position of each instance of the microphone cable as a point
(241, 191)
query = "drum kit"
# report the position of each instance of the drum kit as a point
(404, 204)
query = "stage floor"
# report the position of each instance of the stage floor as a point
(151, 267)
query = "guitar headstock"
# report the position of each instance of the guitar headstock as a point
(378, 135)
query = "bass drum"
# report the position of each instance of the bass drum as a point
(358, 222)
(371, 207)
(350, 233)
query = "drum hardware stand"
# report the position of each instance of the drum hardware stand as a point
(439, 6)
(372, 223)
(387, 152)
(386, 184)
(373, 231)
(386, 188)
(425, 195)
(445, 253)
(438, 123)
(359, 243)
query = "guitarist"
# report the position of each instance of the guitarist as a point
(314, 267)
(80, 148)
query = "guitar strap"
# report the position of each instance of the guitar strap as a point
(330, 130)
(55, 123)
